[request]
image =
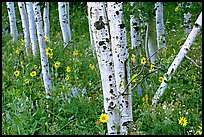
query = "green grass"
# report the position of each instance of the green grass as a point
(21, 115)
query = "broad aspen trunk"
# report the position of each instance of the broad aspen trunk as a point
(24, 18)
(12, 21)
(152, 45)
(106, 65)
(187, 19)
(64, 23)
(90, 30)
(161, 42)
(46, 21)
(120, 58)
(134, 29)
(42, 45)
(184, 50)
(32, 27)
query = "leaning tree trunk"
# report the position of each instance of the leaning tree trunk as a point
(161, 42)
(46, 22)
(12, 21)
(103, 50)
(64, 22)
(187, 19)
(24, 18)
(32, 27)
(184, 50)
(42, 45)
(120, 58)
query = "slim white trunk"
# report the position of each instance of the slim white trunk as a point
(120, 58)
(90, 29)
(42, 45)
(152, 45)
(46, 21)
(134, 29)
(62, 8)
(184, 50)
(32, 27)
(24, 18)
(161, 42)
(12, 21)
(187, 19)
(103, 50)
(68, 19)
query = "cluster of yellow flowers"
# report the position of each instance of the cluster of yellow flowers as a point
(49, 52)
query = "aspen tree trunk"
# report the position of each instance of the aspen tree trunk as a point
(103, 50)
(183, 51)
(120, 58)
(68, 19)
(32, 27)
(90, 30)
(12, 21)
(24, 18)
(152, 45)
(161, 42)
(187, 19)
(46, 21)
(64, 22)
(42, 45)
(134, 29)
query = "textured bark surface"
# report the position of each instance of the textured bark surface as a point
(179, 57)
(32, 26)
(64, 22)
(161, 42)
(12, 21)
(42, 45)
(46, 21)
(105, 60)
(120, 58)
(24, 18)
(187, 19)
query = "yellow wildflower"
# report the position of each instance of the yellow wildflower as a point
(17, 51)
(146, 97)
(91, 66)
(35, 66)
(68, 69)
(143, 60)
(49, 52)
(45, 38)
(161, 79)
(152, 67)
(182, 121)
(67, 78)
(75, 53)
(104, 118)
(174, 51)
(179, 42)
(26, 81)
(134, 78)
(176, 9)
(16, 73)
(133, 57)
(57, 65)
(200, 132)
(33, 73)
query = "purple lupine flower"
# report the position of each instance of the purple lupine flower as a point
(139, 90)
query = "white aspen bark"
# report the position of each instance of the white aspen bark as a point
(24, 18)
(90, 30)
(187, 19)
(120, 58)
(64, 22)
(68, 19)
(32, 27)
(46, 21)
(12, 21)
(179, 57)
(103, 50)
(134, 29)
(146, 40)
(42, 45)
(152, 45)
(161, 42)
